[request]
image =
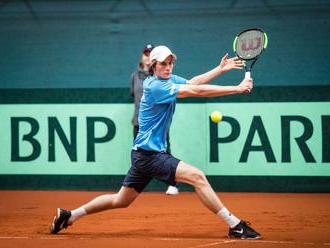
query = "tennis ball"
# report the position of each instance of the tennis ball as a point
(216, 116)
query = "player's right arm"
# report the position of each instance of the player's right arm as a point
(205, 90)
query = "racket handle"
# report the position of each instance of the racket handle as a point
(247, 75)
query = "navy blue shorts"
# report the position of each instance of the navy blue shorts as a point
(147, 165)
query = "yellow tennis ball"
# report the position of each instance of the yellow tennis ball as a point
(216, 116)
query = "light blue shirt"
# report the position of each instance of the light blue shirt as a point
(156, 111)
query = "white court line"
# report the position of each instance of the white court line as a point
(267, 241)
(177, 239)
(14, 237)
(168, 239)
(213, 244)
(226, 241)
(230, 241)
(180, 239)
(257, 241)
(56, 238)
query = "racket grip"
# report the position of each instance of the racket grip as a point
(247, 75)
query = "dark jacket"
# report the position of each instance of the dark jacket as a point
(137, 79)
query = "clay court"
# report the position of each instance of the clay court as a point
(158, 220)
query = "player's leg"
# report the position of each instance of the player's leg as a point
(133, 184)
(122, 199)
(171, 190)
(188, 174)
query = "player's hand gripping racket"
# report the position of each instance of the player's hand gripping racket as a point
(248, 45)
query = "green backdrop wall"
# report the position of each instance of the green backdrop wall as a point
(65, 108)
(61, 44)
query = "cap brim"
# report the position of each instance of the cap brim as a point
(165, 57)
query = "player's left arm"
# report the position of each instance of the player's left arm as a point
(224, 66)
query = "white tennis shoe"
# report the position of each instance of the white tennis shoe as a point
(172, 190)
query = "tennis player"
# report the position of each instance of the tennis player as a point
(137, 79)
(149, 158)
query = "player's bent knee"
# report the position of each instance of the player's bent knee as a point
(121, 203)
(199, 179)
(125, 204)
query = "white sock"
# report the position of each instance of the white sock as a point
(77, 214)
(231, 219)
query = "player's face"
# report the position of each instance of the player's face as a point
(164, 69)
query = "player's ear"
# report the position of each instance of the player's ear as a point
(152, 68)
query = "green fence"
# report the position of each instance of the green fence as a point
(92, 44)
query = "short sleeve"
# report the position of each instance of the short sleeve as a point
(164, 91)
(178, 80)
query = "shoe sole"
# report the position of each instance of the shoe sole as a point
(52, 228)
(256, 238)
(172, 193)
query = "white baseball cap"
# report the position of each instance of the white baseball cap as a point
(160, 53)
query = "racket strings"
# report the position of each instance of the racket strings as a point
(250, 44)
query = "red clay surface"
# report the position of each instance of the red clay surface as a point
(158, 220)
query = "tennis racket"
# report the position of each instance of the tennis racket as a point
(248, 45)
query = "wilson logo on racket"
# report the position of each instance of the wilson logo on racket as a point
(248, 45)
(251, 44)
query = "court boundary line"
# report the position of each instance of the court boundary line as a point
(215, 243)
